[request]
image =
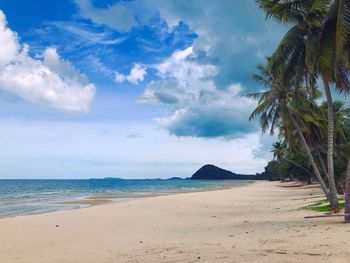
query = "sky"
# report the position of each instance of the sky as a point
(130, 89)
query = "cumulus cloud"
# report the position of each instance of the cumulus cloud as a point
(212, 114)
(181, 79)
(182, 65)
(136, 75)
(167, 91)
(200, 108)
(209, 78)
(8, 45)
(49, 81)
(196, 83)
(234, 39)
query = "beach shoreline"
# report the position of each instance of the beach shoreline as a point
(27, 197)
(257, 222)
(90, 201)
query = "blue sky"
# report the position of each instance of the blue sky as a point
(132, 89)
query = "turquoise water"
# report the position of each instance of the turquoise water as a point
(21, 197)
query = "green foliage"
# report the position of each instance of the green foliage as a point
(272, 172)
(323, 206)
(316, 45)
(289, 167)
(279, 151)
(299, 167)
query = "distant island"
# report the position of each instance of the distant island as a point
(206, 172)
(212, 172)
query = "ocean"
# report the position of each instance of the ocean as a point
(23, 197)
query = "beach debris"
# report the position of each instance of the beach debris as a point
(57, 225)
(276, 251)
(322, 216)
(262, 241)
(309, 197)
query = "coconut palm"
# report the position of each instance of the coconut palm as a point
(278, 151)
(281, 154)
(335, 38)
(275, 105)
(309, 48)
(342, 153)
(328, 57)
(316, 136)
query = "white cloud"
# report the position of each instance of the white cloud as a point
(119, 77)
(9, 45)
(228, 35)
(230, 42)
(212, 114)
(136, 75)
(182, 66)
(200, 108)
(182, 79)
(118, 16)
(235, 38)
(50, 81)
(165, 91)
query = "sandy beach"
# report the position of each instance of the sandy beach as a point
(260, 222)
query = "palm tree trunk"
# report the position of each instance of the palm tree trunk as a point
(311, 158)
(330, 147)
(323, 166)
(347, 194)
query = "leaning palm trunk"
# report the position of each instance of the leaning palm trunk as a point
(347, 194)
(323, 166)
(311, 158)
(330, 147)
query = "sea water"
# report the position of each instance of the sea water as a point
(21, 197)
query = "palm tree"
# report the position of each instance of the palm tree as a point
(335, 36)
(342, 153)
(309, 48)
(328, 59)
(276, 105)
(337, 32)
(278, 151)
